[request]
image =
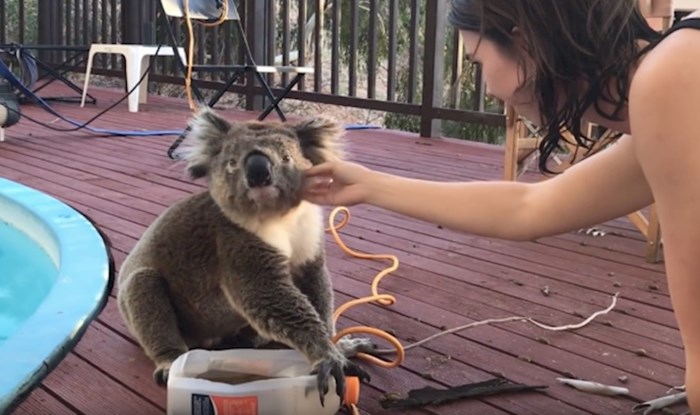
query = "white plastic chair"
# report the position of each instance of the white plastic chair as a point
(136, 61)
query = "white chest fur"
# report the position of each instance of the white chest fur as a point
(297, 235)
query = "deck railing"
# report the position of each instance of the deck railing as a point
(393, 56)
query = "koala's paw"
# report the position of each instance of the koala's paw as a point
(337, 366)
(259, 341)
(350, 346)
(160, 375)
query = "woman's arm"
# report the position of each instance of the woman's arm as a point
(664, 110)
(603, 187)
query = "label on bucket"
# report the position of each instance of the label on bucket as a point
(224, 405)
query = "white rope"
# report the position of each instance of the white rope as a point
(507, 320)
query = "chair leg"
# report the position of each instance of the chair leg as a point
(223, 90)
(653, 236)
(58, 73)
(261, 78)
(511, 145)
(277, 100)
(88, 69)
(143, 88)
(133, 73)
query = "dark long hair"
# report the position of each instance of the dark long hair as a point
(571, 42)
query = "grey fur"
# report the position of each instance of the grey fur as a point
(236, 262)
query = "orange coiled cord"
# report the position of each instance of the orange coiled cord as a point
(384, 299)
(387, 299)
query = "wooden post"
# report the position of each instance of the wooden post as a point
(255, 32)
(433, 68)
(511, 157)
(45, 23)
(131, 21)
(653, 236)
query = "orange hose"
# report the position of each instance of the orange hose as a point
(190, 45)
(384, 299)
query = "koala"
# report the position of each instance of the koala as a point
(242, 262)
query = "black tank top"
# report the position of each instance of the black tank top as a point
(691, 22)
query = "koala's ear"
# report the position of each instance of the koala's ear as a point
(207, 133)
(319, 138)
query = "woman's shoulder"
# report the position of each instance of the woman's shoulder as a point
(681, 40)
(671, 64)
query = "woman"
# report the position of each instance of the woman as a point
(558, 62)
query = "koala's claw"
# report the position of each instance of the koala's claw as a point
(160, 375)
(326, 368)
(338, 368)
(351, 346)
(353, 369)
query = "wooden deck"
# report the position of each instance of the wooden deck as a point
(444, 279)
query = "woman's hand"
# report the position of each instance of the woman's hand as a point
(338, 183)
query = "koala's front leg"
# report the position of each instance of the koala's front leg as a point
(145, 305)
(314, 281)
(278, 310)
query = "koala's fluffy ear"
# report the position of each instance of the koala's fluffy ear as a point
(320, 139)
(207, 133)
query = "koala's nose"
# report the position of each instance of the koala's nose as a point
(257, 168)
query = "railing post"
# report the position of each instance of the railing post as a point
(148, 22)
(45, 23)
(255, 32)
(433, 67)
(50, 29)
(131, 21)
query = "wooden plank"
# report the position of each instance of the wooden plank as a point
(116, 163)
(41, 402)
(61, 163)
(122, 359)
(92, 391)
(125, 200)
(529, 257)
(551, 255)
(70, 195)
(597, 249)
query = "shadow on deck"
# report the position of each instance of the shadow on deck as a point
(445, 279)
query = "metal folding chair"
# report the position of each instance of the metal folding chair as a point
(32, 66)
(209, 11)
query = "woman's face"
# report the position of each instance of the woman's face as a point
(502, 74)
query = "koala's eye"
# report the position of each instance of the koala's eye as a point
(286, 158)
(231, 165)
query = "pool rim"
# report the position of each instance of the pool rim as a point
(79, 294)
